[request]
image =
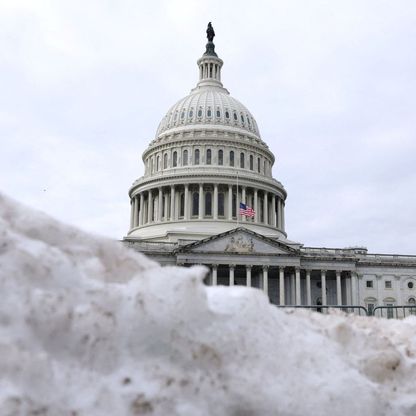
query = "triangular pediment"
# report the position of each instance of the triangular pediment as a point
(239, 241)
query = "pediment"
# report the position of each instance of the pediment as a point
(239, 241)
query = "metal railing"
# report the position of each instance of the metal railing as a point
(389, 312)
(394, 312)
(355, 309)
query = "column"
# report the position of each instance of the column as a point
(348, 293)
(160, 205)
(279, 213)
(166, 217)
(274, 210)
(248, 276)
(230, 202)
(256, 215)
(141, 212)
(214, 274)
(136, 211)
(243, 200)
(283, 216)
(339, 293)
(131, 213)
(266, 208)
(134, 207)
(354, 295)
(215, 207)
(323, 286)
(266, 280)
(150, 207)
(308, 288)
(298, 298)
(172, 203)
(399, 300)
(379, 289)
(281, 286)
(292, 289)
(201, 202)
(231, 283)
(186, 207)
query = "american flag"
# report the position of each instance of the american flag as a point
(246, 210)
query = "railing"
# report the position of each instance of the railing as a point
(355, 309)
(389, 312)
(394, 312)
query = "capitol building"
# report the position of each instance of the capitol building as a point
(208, 197)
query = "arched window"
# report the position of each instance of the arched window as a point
(165, 161)
(208, 156)
(200, 112)
(220, 204)
(209, 112)
(218, 113)
(152, 166)
(157, 163)
(264, 168)
(195, 203)
(227, 114)
(220, 157)
(196, 157)
(235, 116)
(208, 204)
(242, 160)
(185, 158)
(258, 165)
(251, 162)
(175, 159)
(182, 205)
(231, 158)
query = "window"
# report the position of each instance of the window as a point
(242, 119)
(242, 160)
(165, 161)
(387, 284)
(227, 115)
(235, 116)
(185, 158)
(258, 165)
(200, 112)
(196, 157)
(218, 113)
(175, 159)
(157, 163)
(251, 162)
(234, 209)
(412, 301)
(152, 165)
(389, 310)
(183, 114)
(231, 158)
(208, 156)
(191, 113)
(264, 167)
(220, 157)
(370, 308)
(369, 284)
(209, 112)
(221, 204)
(195, 203)
(182, 205)
(410, 285)
(208, 204)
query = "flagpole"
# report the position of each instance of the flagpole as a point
(237, 208)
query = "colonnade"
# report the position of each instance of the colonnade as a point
(293, 284)
(206, 201)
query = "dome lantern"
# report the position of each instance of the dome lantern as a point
(209, 64)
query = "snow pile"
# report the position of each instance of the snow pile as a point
(90, 328)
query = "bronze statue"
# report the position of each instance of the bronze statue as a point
(210, 32)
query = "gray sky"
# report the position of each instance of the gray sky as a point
(332, 85)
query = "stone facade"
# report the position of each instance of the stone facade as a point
(208, 157)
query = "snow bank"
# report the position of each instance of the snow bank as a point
(90, 328)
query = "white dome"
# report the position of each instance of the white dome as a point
(208, 105)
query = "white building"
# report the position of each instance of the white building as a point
(206, 158)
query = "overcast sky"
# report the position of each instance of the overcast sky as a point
(332, 84)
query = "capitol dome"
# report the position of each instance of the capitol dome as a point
(207, 158)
